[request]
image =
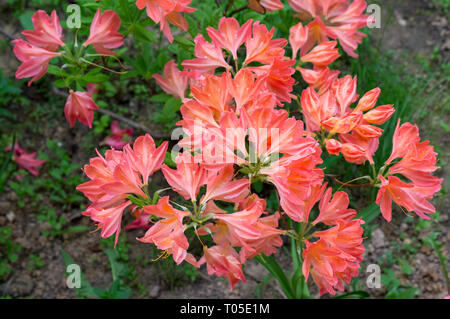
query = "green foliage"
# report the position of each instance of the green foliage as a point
(35, 262)
(9, 252)
(8, 92)
(117, 290)
(58, 186)
(169, 112)
(60, 183)
(395, 288)
(5, 172)
(261, 286)
(369, 213)
(174, 275)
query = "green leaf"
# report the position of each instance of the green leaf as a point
(25, 20)
(142, 34)
(445, 126)
(53, 69)
(183, 41)
(171, 106)
(116, 266)
(406, 268)
(163, 97)
(354, 294)
(401, 293)
(60, 84)
(274, 268)
(86, 289)
(168, 160)
(91, 5)
(257, 186)
(369, 213)
(94, 76)
(76, 229)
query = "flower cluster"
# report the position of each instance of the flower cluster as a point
(116, 176)
(46, 39)
(330, 115)
(335, 19)
(412, 160)
(236, 134)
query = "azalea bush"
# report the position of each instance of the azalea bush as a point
(258, 123)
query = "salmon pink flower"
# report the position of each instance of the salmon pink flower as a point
(126, 181)
(379, 115)
(80, 106)
(407, 195)
(213, 93)
(104, 36)
(332, 210)
(368, 131)
(333, 146)
(262, 6)
(174, 82)
(335, 257)
(322, 55)
(117, 179)
(145, 158)
(47, 31)
(278, 78)
(261, 47)
(298, 34)
(26, 161)
(112, 179)
(241, 225)
(418, 161)
(164, 11)
(274, 72)
(168, 233)
(223, 261)
(418, 164)
(344, 90)
(355, 142)
(118, 137)
(34, 60)
(347, 236)
(328, 266)
(271, 131)
(108, 219)
(209, 57)
(331, 111)
(317, 109)
(141, 219)
(101, 172)
(244, 88)
(368, 100)
(269, 240)
(333, 19)
(353, 153)
(187, 179)
(229, 35)
(220, 186)
(295, 181)
(404, 137)
(319, 78)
